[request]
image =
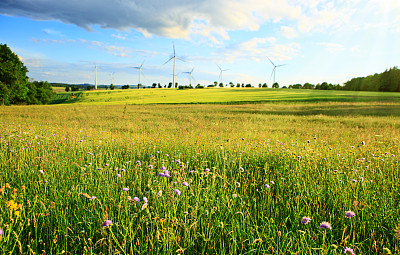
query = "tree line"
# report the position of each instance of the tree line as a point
(15, 85)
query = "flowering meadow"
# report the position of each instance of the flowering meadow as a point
(274, 178)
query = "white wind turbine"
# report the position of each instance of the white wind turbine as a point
(112, 77)
(95, 75)
(274, 70)
(220, 73)
(174, 57)
(140, 71)
(191, 76)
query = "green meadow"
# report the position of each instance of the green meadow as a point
(202, 171)
(219, 96)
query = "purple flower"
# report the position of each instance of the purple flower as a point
(325, 225)
(354, 180)
(145, 200)
(118, 175)
(41, 171)
(125, 189)
(46, 182)
(144, 206)
(138, 163)
(107, 223)
(92, 197)
(185, 184)
(305, 220)
(150, 167)
(161, 174)
(207, 170)
(136, 199)
(241, 169)
(272, 182)
(349, 214)
(178, 192)
(163, 168)
(349, 251)
(1, 232)
(159, 194)
(266, 186)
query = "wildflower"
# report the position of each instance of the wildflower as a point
(363, 143)
(118, 175)
(163, 168)
(185, 212)
(237, 184)
(325, 225)
(161, 174)
(41, 171)
(92, 197)
(144, 206)
(177, 191)
(349, 214)
(46, 182)
(235, 195)
(138, 163)
(272, 182)
(305, 220)
(145, 200)
(107, 223)
(266, 186)
(159, 193)
(354, 180)
(349, 251)
(241, 169)
(136, 199)
(150, 166)
(185, 184)
(1, 232)
(207, 170)
(125, 189)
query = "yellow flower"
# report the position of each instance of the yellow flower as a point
(17, 213)
(12, 205)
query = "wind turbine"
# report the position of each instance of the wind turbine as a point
(274, 70)
(140, 71)
(174, 57)
(190, 73)
(112, 78)
(220, 73)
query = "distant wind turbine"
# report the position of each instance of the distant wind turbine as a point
(220, 73)
(95, 76)
(190, 73)
(140, 71)
(112, 78)
(174, 57)
(274, 70)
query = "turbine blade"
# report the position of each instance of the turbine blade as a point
(281, 65)
(219, 67)
(173, 46)
(271, 61)
(142, 64)
(169, 60)
(180, 59)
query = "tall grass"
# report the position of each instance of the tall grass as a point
(253, 173)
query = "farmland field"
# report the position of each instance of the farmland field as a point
(308, 173)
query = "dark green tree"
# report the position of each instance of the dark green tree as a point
(112, 87)
(275, 85)
(13, 79)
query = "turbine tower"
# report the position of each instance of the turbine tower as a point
(174, 57)
(112, 78)
(220, 73)
(140, 70)
(190, 73)
(274, 69)
(95, 76)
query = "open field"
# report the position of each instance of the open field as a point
(240, 177)
(219, 96)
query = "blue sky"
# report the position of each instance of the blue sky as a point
(318, 40)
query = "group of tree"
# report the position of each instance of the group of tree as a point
(15, 85)
(389, 81)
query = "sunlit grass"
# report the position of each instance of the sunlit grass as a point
(319, 160)
(218, 95)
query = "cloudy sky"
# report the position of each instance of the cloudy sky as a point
(318, 40)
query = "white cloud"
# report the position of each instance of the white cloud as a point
(288, 32)
(332, 47)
